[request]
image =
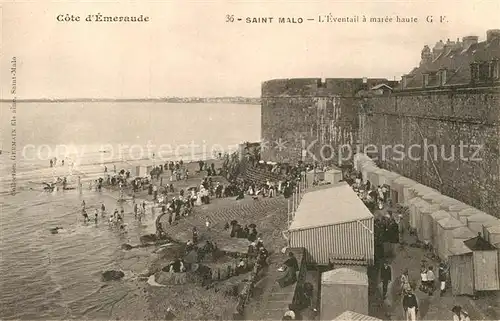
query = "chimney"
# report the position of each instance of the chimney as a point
(469, 41)
(492, 34)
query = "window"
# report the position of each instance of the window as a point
(495, 66)
(484, 71)
(426, 80)
(474, 71)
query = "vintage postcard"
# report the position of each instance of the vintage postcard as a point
(250, 160)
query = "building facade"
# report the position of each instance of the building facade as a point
(440, 126)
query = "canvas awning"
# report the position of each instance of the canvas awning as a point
(354, 316)
(334, 205)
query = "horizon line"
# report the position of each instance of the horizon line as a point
(118, 99)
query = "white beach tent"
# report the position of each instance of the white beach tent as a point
(466, 213)
(445, 202)
(412, 207)
(333, 222)
(422, 190)
(454, 209)
(431, 197)
(366, 169)
(425, 211)
(403, 186)
(444, 235)
(432, 219)
(493, 233)
(477, 221)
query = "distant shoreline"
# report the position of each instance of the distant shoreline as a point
(241, 101)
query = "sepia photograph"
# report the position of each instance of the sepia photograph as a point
(250, 160)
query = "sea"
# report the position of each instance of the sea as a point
(58, 276)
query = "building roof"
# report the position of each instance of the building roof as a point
(462, 233)
(439, 215)
(456, 58)
(479, 244)
(335, 205)
(458, 248)
(381, 86)
(354, 316)
(344, 275)
(481, 217)
(449, 223)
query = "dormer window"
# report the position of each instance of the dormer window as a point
(484, 71)
(426, 80)
(443, 77)
(474, 71)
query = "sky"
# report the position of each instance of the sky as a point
(188, 49)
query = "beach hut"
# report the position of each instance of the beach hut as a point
(383, 176)
(422, 190)
(492, 233)
(461, 233)
(445, 202)
(454, 209)
(143, 170)
(467, 212)
(412, 206)
(461, 268)
(333, 223)
(444, 235)
(409, 190)
(424, 211)
(353, 316)
(394, 191)
(372, 176)
(431, 197)
(429, 225)
(344, 289)
(404, 192)
(311, 175)
(477, 222)
(485, 257)
(333, 176)
(366, 170)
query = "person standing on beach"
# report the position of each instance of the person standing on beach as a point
(103, 209)
(442, 277)
(431, 280)
(85, 216)
(386, 276)
(410, 306)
